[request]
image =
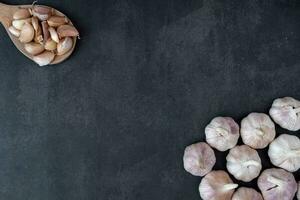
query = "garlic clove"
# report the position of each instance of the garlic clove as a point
(64, 46)
(244, 193)
(35, 23)
(243, 163)
(14, 31)
(222, 133)
(56, 21)
(285, 112)
(53, 34)
(199, 159)
(284, 152)
(38, 37)
(277, 184)
(18, 24)
(50, 45)
(67, 31)
(34, 48)
(44, 58)
(27, 33)
(42, 12)
(45, 29)
(21, 14)
(217, 185)
(257, 130)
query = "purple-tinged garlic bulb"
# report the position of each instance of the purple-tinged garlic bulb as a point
(199, 159)
(244, 193)
(243, 163)
(257, 130)
(284, 152)
(222, 133)
(286, 112)
(277, 184)
(217, 185)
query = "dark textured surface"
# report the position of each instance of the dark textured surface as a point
(111, 123)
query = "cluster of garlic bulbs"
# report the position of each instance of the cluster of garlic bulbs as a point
(44, 33)
(257, 131)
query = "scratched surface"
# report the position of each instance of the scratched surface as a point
(111, 123)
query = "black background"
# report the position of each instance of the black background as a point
(146, 78)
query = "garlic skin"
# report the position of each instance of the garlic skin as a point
(64, 46)
(42, 12)
(44, 58)
(277, 184)
(285, 112)
(222, 133)
(27, 33)
(244, 193)
(257, 130)
(284, 152)
(14, 31)
(34, 48)
(199, 159)
(243, 163)
(217, 185)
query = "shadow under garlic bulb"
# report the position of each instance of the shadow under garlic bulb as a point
(243, 163)
(222, 133)
(199, 159)
(286, 113)
(217, 185)
(284, 152)
(257, 130)
(244, 193)
(277, 184)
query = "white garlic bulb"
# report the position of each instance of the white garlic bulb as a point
(217, 185)
(284, 152)
(244, 193)
(277, 184)
(243, 163)
(199, 159)
(285, 112)
(222, 133)
(257, 130)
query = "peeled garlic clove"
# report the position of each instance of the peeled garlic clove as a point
(42, 12)
(14, 31)
(222, 133)
(243, 163)
(64, 46)
(284, 152)
(34, 48)
(67, 31)
(257, 130)
(18, 24)
(217, 185)
(45, 29)
(56, 21)
(50, 45)
(53, 34)
(277, 184)
(21, 14)
(286, 112)
(44, 58)
(27, 33)
(199, 159)
(244, 193)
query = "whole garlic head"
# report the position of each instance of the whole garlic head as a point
(285, 112)
(217, 185)
(284, 152)
(244, 193)
(277, 184)
(257, 130)
(199, 159)
(243, 163)
(222, 133)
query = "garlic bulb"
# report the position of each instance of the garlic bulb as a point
(243, 163)
(284, 152)
(217, 185)
(244, 193)
(257, 130)
(199, 159)
(222, 133)
(285, 112)
(277, 184)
